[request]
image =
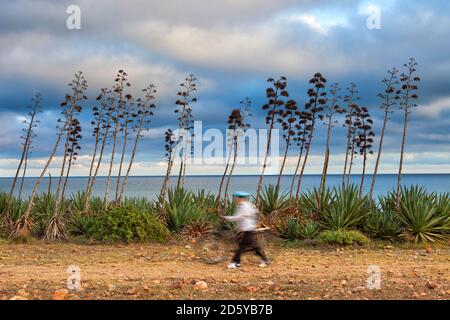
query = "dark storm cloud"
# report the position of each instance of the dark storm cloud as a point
(232, 47)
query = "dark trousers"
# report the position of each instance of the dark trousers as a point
(248, 242)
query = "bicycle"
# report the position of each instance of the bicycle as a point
(215, 249)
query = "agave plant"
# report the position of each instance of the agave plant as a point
(347, 210)
(198, 229)
(141, 204)
(78, 201)
(3, 219)
(205, 200)
(43, 210)
(419, 214)
(96, 205)
(272, 200)
(409, 195)
(314, 202)
(309, 229)
(16, 206)
(15, 210)
(442, 203)
(288, 229)
(80, 224)
(388, 202)
(181, 210)
(3, 201)
(383, 224)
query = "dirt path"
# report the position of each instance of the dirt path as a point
(36, 271)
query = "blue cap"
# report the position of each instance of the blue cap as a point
(241, 194)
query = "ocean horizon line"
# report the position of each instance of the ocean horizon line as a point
(242, 175)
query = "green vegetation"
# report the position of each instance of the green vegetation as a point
(181, 209)
(426, 217)
(340, 216)
(382, 224)
(125, 224)
(343, 237)
(309, 229)
(347, 209)
(314, 202)
(289, 228)
(272, 200)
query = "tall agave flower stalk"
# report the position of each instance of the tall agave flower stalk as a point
(145, 109)
(33, 122)
(28, 153)
(233, 122)
(116, 114)
(102, 124)
(354, 139)
(170, 143)
(332, 109)
(317, 100)
(302, 131)
(171, 140)
(66, 156)
(364, 141)
(389, 98)
(185, 121)
(98, 113)
(188, 148)
(409, 87)
(73, 151)
(350, 118)
(275, 95)
(125, 125)
(55, 227)
(78, 86)
(236, 127)
(30, 123)
(287, 119)
(244, 125)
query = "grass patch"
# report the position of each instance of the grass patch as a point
(343, 237)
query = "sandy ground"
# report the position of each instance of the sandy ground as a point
(150, 271)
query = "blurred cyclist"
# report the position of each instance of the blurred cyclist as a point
(246, 218)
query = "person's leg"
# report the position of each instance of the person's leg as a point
(237, 257)
(242, 247)
(259, 250)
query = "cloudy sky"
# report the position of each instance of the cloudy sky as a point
(232, 47)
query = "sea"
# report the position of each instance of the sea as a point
(149, 187)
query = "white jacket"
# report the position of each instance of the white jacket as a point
(246, 216)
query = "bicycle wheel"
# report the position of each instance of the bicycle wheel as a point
(211, 251)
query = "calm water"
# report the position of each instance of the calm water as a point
(150, 186)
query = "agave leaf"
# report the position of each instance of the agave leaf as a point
(348, 209)
(272, 200)
(421, 215)
(312, 202)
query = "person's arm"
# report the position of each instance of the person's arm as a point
(237, 217)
